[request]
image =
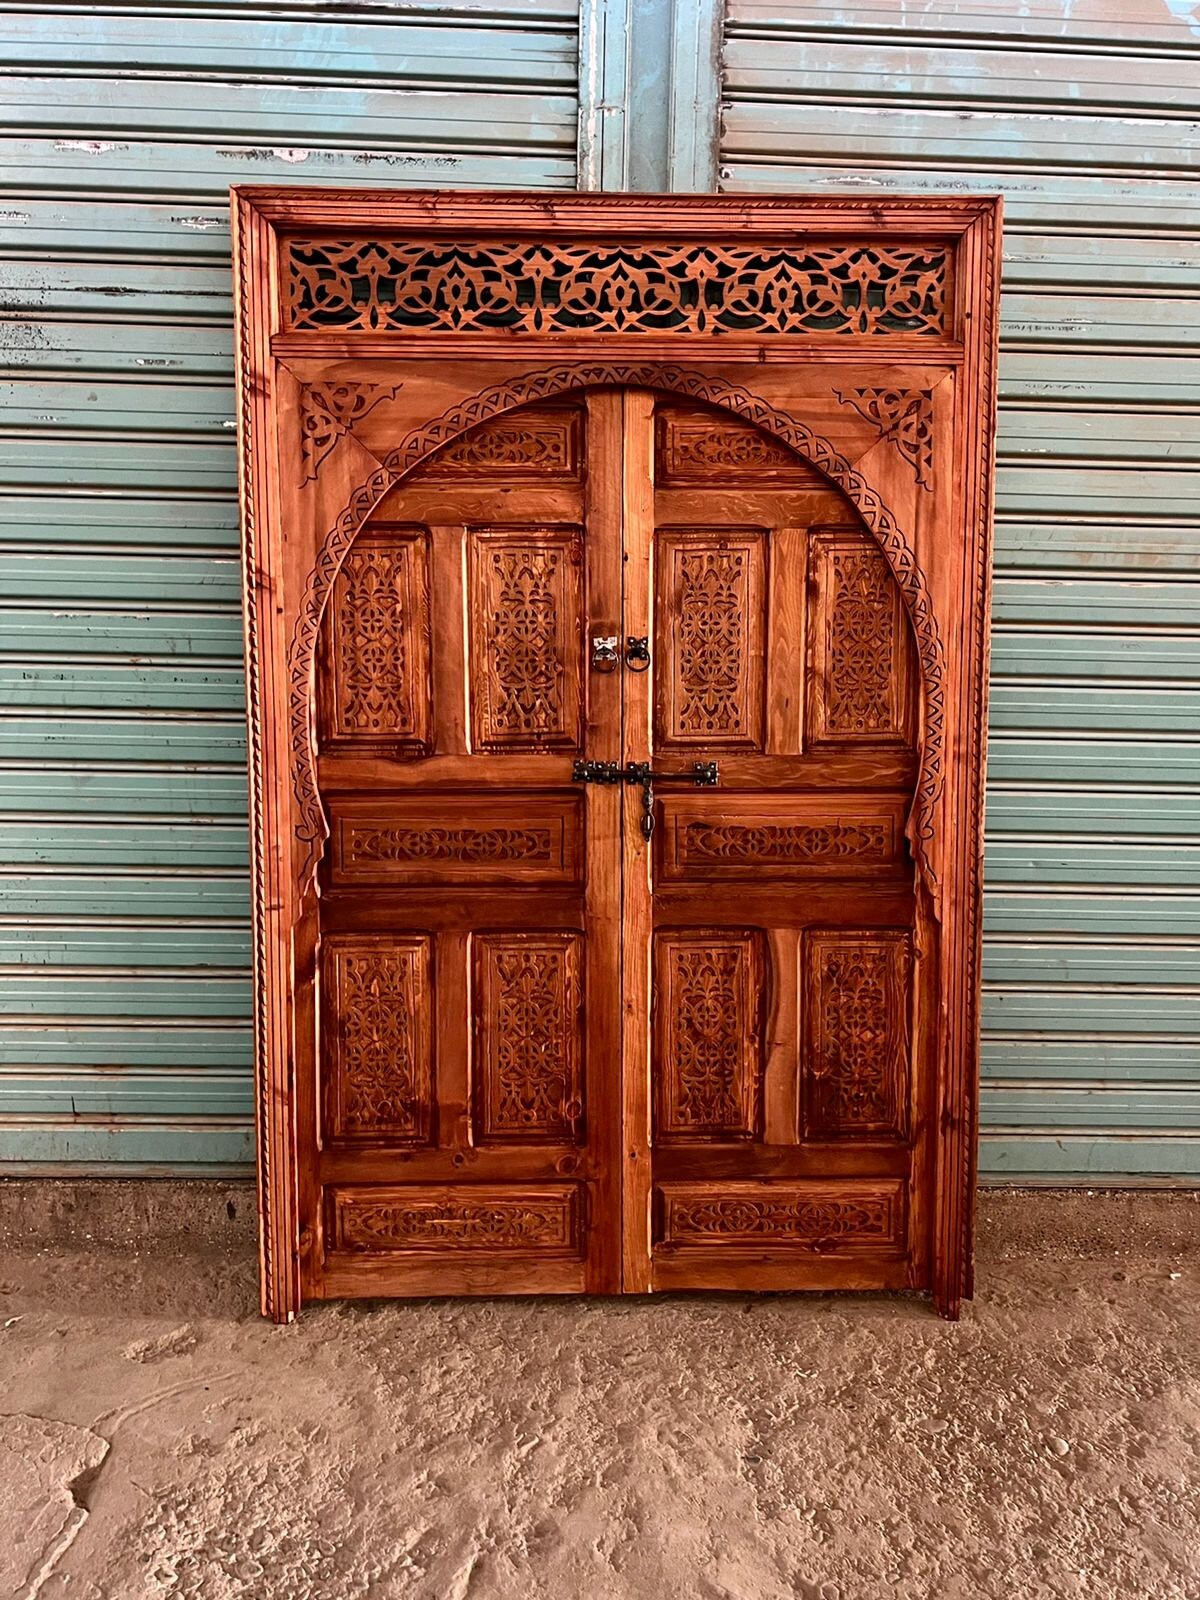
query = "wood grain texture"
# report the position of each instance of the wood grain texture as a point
(761, 492)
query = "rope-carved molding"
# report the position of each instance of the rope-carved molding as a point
(904, 416)
(423, 442)
(329, 411)
(533, 286)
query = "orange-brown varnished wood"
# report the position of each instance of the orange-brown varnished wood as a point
(504, 1042)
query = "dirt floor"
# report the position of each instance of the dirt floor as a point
(158, 1439)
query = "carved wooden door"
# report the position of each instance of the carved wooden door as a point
(468, 1050)
(787, 1117)
(616, 606)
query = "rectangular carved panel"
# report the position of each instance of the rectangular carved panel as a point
(778, 837)
(528, 1049)
(708, 1001)
(460, 1220)
(525, 631)
(529, 447)
(450, 839)
(859, 683)
(712, 591)
(706, 447)
(847, 1217)
(377, 1032)
(855, 1030)
(379, 642)
(535, 285)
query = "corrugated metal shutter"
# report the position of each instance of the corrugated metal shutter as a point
(124, 918)
(1078, 110)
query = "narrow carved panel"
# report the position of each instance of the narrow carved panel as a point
(446, 840)
(859, 686)
(847, 1218)
(778, 837)
(528, 1016)
(526, 638)
(708, 447)
(711, 626)
(479, 1219)
(379, 642)
(419, 287)
(708, 1055)
(855, 1067)
(378, 1068)
(526, 447)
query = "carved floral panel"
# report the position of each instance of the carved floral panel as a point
(714, 448)
(456, 839)
(479, 1219)
(707, 1062)
(855, 1079)
(529, 446)
(379, 644)
(712, 590)
(528, 1048)
(539, 286)
(378, 1065)
(859, 685)
(828, 1218)
(525, 637)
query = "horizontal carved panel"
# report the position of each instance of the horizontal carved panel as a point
(859, 685)
(855, 1058)
(378, 642)
(528, 1046)
(525, 635)
(500, 1220)
(778, 837)
(449, 839)
(414, 286)
(526, 446)
(715, 448)
(377, 1029)
(711, 609)
(851, 1217)
(708, 998)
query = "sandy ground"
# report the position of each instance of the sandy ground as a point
(158, 1439)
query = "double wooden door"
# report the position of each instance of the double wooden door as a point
(615, 986)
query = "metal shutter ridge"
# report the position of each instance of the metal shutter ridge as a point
(124, 899)
(1085, 117)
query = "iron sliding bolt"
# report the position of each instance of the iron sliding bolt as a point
(704, 774)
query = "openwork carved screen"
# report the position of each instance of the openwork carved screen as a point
(523, 286)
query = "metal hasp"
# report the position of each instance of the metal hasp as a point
(704, 774)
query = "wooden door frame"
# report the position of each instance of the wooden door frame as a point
(904, 380)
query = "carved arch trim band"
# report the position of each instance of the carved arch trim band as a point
(423, 442)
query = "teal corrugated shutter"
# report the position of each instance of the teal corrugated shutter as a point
(124, 905)
(1085, 117)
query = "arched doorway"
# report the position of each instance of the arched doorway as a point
(616, 721)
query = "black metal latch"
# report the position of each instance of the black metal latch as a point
(704, 775)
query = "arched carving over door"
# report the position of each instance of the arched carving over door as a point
(426, 441)
(463, 1113)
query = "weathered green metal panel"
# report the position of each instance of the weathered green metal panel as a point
(1085, 117)
(124, 896)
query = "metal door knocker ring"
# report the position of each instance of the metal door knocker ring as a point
(637, 654)
(604, 652)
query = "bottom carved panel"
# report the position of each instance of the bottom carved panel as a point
(853, 1217)
(491, 1220)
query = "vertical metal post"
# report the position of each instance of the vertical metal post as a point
(649, 92)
